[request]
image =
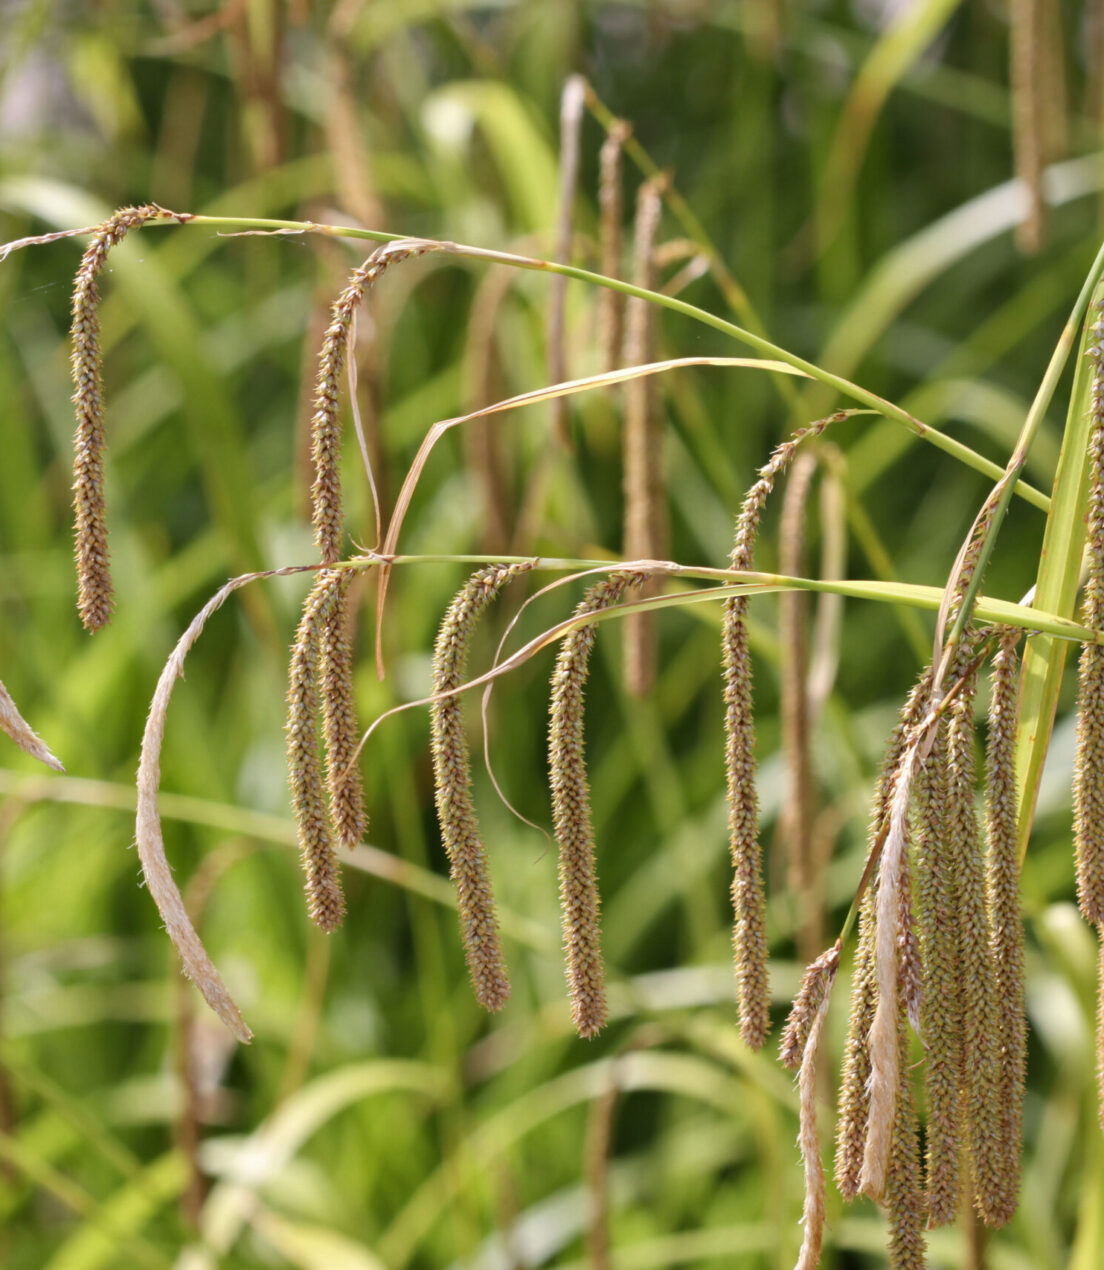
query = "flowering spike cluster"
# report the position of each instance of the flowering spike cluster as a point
(579, 898)
(326, 509)
(1088, 775)
(325, 900)
(94, 596)
(749, 936)
(335, 662)
(453, 786)
(1002, 871)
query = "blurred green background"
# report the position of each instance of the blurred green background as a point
(851, 163)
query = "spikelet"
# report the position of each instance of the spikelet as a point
(21, 732)
(335, 672)
(1088, 772)
(1005, 923)
(854, 1101)
(645, 533)
(749, 936)
(325, 900)
(908, 944)
(453, 786)
(611, 304)
(815, 984)
(808, 1139)
(94, 599)
(977, 973)
(904, 1192)
(579, 897)
(326, 509)
(941, 1017)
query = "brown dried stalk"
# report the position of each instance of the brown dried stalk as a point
(884, 1039)
(325, 899)
(571, 120)
(808, 1139)
(941, 1015)
(327, 514)
(453, 786)
(854, 1095)
(1005, 923)
(1026, 73)
(95, 599)
(645, 534)
(1088, 772)
(579, 897)
(151, 846)
(21, 732)
(611, 304)
(340, 729)
(749, 929)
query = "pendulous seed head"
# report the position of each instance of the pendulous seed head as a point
(941, 1013)
(453, 786)
(95, 594)
(749, 935)
(325, 899)
(1088, 773)
(904, 1191)
(1002, 872)
(579, 898)
(326, 508)
(340, 731)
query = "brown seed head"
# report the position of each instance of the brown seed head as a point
(94, 600)
(327, 514)
(335, 670)
(453, 787)
(579, 898)
(325, 900)
(815, 984)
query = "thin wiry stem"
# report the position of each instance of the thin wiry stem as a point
(579, 897)
(453, 786)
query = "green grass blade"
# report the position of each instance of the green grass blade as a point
(1055, 590)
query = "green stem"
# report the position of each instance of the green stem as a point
(760, 343)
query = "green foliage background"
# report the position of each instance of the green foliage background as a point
(380, 1119)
